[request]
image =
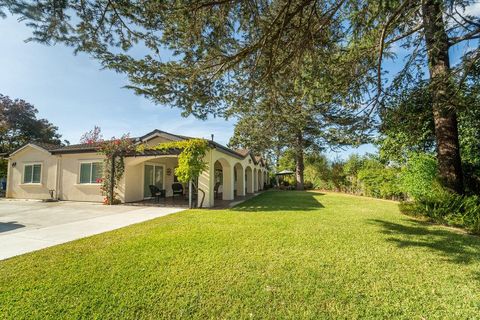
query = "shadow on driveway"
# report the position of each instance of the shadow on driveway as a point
(9, 226)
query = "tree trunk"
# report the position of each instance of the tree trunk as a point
(299, 165)
(444, 113)
(278, 154)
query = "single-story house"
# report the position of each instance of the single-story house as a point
(39, 170)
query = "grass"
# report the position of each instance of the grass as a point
(279, 255)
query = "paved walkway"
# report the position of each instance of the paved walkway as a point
(27, 226)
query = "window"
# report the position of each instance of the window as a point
(91, 172)
(153, 175)
(32, 173)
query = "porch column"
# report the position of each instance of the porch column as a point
(255, 180)
(261, 180)
(249, 179)
(228, 183)
(240, 181)
(206, 183)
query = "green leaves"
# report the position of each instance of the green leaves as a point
(114, 150)
(19, 125)
(191, 160)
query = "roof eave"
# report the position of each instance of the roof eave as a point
(74, 151)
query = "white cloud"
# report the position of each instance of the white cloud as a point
(473, 9)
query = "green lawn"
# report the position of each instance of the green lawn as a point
(279, 255)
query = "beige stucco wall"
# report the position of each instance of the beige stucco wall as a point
(131, 187)
(15, 186)
(230, 185)
(70, 188)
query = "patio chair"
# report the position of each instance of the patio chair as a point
(157, 193)
(215, 189)
(177, 189)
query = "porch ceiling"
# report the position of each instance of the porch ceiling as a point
(151, 154)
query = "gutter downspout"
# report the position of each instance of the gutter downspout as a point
(9, 174)
(57, 178)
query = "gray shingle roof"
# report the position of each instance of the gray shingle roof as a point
(46, 146)
(93, 147)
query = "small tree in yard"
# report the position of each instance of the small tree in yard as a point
(191, 160)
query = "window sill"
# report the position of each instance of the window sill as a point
(32, 184)
(88, 184)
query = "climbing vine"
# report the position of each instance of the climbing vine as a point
(191, 160)
(114, 151)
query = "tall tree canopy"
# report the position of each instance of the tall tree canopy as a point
(216, 47)
(293, 114)
(19, 125)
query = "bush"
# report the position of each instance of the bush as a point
(308, 185)
(419, 176)
(380, 181)
(447, 208)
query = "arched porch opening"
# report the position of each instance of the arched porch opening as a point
(223, 180)
(260, 180)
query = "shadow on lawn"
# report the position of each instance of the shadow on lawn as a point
(454, 247)
(282, 201)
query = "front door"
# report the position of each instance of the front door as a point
(153, 175)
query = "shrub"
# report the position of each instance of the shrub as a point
(380, 181)
(448, 208)
(308, 185)
(418, 177)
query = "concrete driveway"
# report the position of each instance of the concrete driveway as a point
(29, 225)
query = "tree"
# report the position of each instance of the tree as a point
(408, 128)
(296, 110)
(426, 30)
(19, 125)
(317, 169)
(216, 46)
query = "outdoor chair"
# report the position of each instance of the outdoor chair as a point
(215, 189)
(157, 193)
(177, 189)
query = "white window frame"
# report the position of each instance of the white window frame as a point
(32, 164)
(91, 171)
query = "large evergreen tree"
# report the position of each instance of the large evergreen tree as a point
(216, 46)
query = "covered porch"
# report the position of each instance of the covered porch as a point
(148, 174)
(227, 179)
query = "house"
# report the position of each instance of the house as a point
(39, 170)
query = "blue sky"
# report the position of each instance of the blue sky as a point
(75, 95)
